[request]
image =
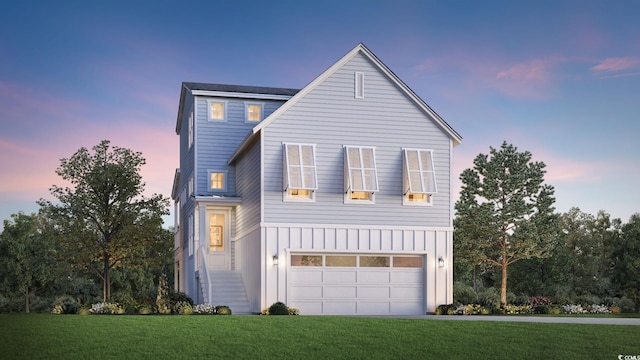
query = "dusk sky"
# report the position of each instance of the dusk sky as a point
(558, 78)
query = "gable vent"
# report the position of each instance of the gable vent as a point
(359, 79)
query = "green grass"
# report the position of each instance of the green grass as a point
(45, 336)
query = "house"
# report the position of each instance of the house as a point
(334, 198)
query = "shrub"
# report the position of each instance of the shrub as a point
(145, 309)
(223, 310)
(599, 309)
(65, 304)
(294, 311)
(448, 309)
(626, 304)
(463, 293)
(278, 308)
(555, 310)
(489, 297)
(541, 309)
(615, 310)
(539, 300)
(183, 308)
(177, 296)
(106, 308)
(517, 309)
(573, 309)
(204, 309)
(588, 299)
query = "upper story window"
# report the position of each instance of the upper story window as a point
(191, 128)
(253, 112)
(218, 180)
(300, 171)
(359, 85)
(217, 110)
(361, 176)
(191, 186)
(419, 177)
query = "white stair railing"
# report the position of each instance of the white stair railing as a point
(203, 269)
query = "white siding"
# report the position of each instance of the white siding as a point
(330, 117)
(283, 239)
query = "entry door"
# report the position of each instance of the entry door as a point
(218, 246)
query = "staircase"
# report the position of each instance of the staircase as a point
(228, 289)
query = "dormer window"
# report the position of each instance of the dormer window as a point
(361, 176)
(419, 177)
(300, 180)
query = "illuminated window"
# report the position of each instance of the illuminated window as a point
(217, 110)
(419, 177)
(217, 180)
(361, 176)
(216, 232)
(300, 171)
(254, 112)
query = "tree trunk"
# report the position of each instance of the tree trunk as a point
(106, 288)
(503, 288)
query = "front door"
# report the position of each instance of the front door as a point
(218, 245)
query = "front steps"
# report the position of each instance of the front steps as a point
(228, 289)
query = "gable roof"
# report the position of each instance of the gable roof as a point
(359, 49)
(225, 90)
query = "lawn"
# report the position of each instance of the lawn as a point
(45, 336)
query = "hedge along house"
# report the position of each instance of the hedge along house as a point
(334, 199)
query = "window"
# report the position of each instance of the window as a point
(253, 111)
(374, 261)
(217, 110)
(340, 260)
(360, 174)
(191, 129)
(216, 232)
(359, 85)
(191, 190)
(190, 230)
(300, 171)
(407, 261)
(419, 177)
(217, 180)
(306, 260)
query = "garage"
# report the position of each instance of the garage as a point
(356, 284)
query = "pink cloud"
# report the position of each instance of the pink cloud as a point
(617, 64)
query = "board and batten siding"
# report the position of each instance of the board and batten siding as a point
(284, 239)
(330, 117)
(217, 140)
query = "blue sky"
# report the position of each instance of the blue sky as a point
(558, 78)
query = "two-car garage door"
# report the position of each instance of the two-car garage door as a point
(365, 284)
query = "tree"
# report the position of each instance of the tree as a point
(27, 256)
(626, 259)
(103, 218)
(505, 211)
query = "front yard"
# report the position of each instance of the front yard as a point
(45, 336)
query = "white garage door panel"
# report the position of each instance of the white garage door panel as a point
(356, 290)
(340, 292)
(306, 292)
(375, 277)
(340, 277)
(374, 292)
(306, 275)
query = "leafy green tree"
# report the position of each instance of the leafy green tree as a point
(102, 217)
(626, 259)
(505, 211)
(27, 256)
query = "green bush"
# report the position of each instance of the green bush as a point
(448, 309)
(626, 305)
(65, 304)
(183, 308)
(223, 310)
(555, 310)
(463, 293)
(489, 297)
(278, 308)
(177, 297)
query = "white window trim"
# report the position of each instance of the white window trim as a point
(347, 176)
(224, 104)
(285, 167)
(191, 130)
(359, 85)
(246, 111)
(406, 188)
(191, 234)
(225, 173)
